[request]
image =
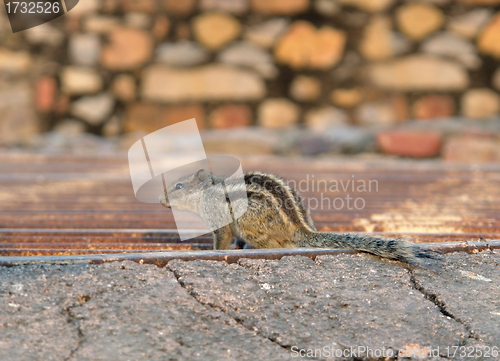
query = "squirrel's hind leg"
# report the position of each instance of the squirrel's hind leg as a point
(222, 237)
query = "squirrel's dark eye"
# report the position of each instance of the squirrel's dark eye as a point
(179, 186)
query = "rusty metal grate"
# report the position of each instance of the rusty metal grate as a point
(57, 205)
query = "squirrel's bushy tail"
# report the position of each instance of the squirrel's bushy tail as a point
(393, 248)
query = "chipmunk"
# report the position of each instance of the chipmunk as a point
(275, 218)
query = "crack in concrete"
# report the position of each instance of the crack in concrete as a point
(215, 308)
(441, 306)
(66, 312)
(287, 347)
(434, 299)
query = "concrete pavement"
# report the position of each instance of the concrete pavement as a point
(253, 310)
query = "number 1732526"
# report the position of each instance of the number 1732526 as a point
(39, 7)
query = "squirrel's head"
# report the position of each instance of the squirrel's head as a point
(185, 187)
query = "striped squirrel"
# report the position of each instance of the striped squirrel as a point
(276, 217)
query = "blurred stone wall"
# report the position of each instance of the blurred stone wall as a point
(112, 67)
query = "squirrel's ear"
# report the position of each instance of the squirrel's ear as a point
(201, 175)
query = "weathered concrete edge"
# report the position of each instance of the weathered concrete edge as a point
(162, 258)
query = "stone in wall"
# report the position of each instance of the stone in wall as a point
(419, 73)
(45, 35)
(93, 109)
(231, 6)
(325, 117)
(18, 121)
(488, 41)
(128, 49)
(15, 62)
(327, 7)
(231, 116)
(376, 42)
(380, 42)
(246, 54)
(208, 83)
(380, 112)
(278, 113)
(433, 106)
(84, 49)
(78, 80)
(305, 88)
(469, 24)
(149, 117)
(347, 97)
(368, 5)
(304, 46)
(124, 87)
(449, 45)
(417, 20)
(138, 20)
(182, 53)
(480, 103)
(100, 24)
(415, 144)
(215, 29)
(267, 33)
(179, 7)
(279, 7)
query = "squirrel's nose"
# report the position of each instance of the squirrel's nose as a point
(164, 201)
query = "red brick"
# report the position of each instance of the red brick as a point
(413, 144)
(472, 149)
(434, 106)
(46, 89)
(231, 116)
